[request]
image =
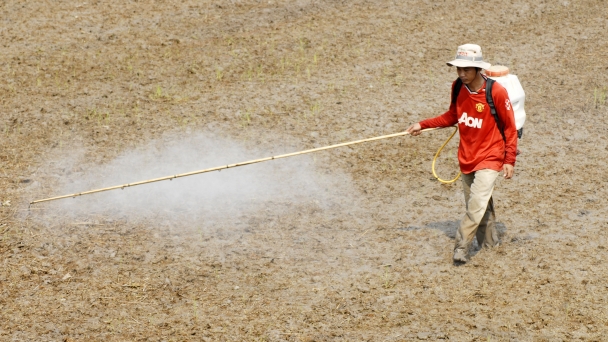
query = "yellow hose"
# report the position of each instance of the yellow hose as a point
(437, 155)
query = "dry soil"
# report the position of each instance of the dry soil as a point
(352, 244)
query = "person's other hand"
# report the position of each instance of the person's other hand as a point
(508, 170)
(414, 129)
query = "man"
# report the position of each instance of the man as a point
(483, 152)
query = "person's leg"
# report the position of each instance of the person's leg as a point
(461, 249)
(487, 236)
(478, 187)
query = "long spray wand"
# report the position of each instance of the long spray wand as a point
(229, 166)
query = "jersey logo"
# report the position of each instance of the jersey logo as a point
(479, 107)
(470, 121)
(508, 104)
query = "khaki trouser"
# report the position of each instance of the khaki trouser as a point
(480, 216)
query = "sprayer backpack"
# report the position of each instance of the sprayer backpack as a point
(490, 101)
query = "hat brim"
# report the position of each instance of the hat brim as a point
(464, 64)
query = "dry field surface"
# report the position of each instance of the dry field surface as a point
(351, 244)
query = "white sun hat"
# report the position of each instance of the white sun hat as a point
(469, 55)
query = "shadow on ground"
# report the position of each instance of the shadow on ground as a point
(449, 228)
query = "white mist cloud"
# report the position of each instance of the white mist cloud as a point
(202, 199)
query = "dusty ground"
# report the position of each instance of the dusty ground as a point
(364, 253)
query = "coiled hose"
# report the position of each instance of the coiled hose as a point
(437, 155)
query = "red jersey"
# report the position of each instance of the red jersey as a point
(481, 144)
